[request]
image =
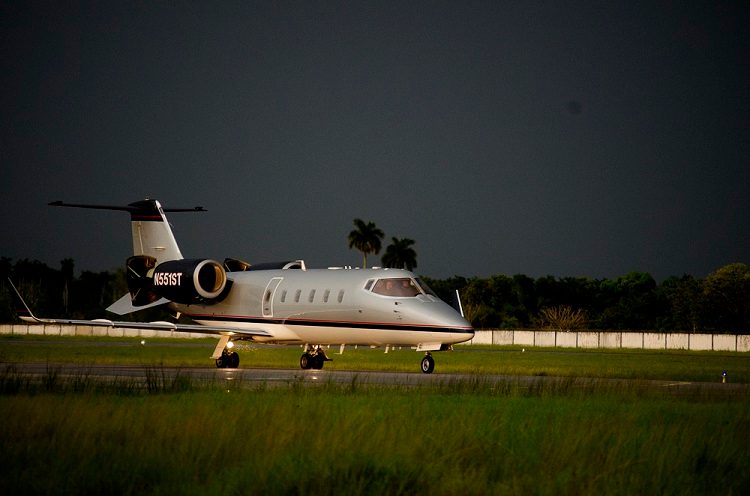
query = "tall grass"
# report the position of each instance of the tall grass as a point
(355, 439)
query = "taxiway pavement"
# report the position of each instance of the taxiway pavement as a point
(249, 378)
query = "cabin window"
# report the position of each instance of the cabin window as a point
(283, 296)
(402, 287)
(326, 295)
(267, 296)
(341, 296)
(312, 296)
(297, 295)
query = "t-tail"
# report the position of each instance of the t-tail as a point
(152, 236)
(156, 253)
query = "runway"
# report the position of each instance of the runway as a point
(253, 378)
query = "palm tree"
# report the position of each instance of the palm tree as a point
(365, 238)
(400, 254)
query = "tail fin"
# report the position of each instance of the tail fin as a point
(152, 235)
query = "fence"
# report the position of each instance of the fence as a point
(85, 330)
(647, 340)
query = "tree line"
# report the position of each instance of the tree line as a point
(719, 302)
(635, 301)
(59, 293)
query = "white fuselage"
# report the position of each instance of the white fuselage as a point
(335, 306)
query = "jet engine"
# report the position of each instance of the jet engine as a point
(190, 281)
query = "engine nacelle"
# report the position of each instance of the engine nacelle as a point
(190, 281)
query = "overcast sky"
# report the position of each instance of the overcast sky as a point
(563, 138)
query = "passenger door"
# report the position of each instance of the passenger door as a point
(268, 296)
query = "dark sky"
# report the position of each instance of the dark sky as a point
(562, 138)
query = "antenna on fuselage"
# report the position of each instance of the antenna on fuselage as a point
(457, 305)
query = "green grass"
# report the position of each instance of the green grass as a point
(372, 441)
(79, 435)
(631, 364)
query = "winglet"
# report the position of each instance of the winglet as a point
(22, 309)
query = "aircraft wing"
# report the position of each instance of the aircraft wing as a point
(25, 314)
(125, 305)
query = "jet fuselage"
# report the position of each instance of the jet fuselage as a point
(335, 306)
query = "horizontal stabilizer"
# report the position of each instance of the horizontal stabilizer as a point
(137, 208)
(125, 306)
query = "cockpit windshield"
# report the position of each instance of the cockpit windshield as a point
(402, 287)
(426, 288)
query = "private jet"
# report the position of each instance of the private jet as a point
(276, 303)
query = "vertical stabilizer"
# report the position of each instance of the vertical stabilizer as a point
(152, 235)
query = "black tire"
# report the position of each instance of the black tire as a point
(428, 364)
(220, 362)
(318, 361)
(234, 360)
(305, 361)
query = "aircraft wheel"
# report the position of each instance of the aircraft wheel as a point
(317, 362)
(305, 361)
(220, 363)
(234, 360)
(428, 364)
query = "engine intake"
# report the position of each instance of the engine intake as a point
(190, 281)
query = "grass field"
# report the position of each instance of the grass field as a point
(373, 440)
(631, 364)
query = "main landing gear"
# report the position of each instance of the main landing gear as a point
(228, 360)
(313, 358)
(223, 354)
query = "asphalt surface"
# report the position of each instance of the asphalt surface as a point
(249, 378)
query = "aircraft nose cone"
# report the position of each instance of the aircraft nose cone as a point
(448, 318)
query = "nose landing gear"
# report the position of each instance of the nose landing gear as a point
(428, 363)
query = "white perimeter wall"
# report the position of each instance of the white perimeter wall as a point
(617, 340)
(84, 330)
(522, 337)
